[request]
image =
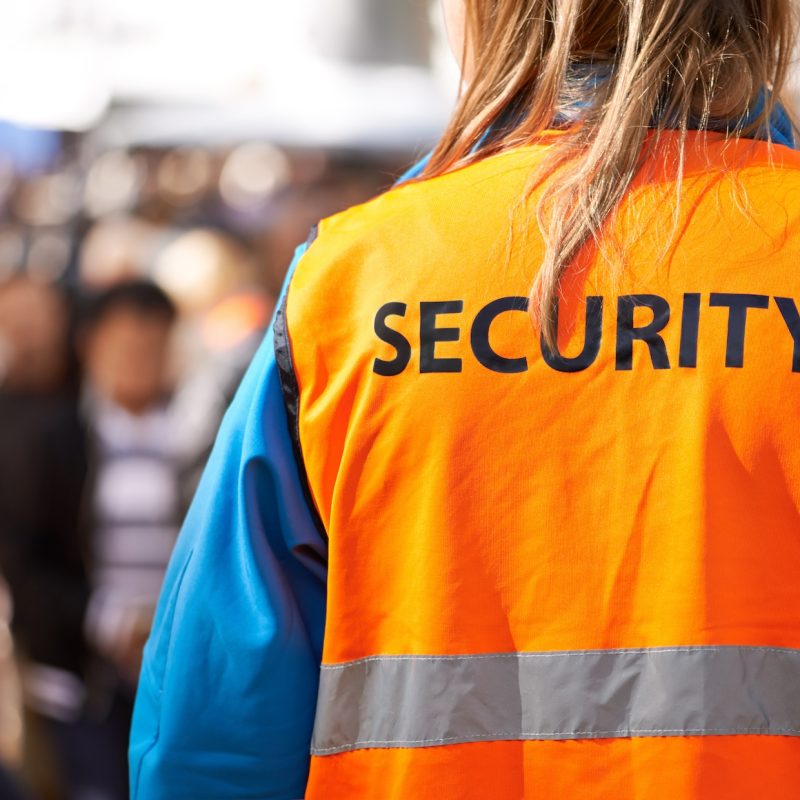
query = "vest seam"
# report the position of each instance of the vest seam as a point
(290, 390)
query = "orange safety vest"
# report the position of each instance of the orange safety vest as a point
(562, 574)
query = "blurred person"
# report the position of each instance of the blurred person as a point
(109, 507)
(446, 550)
(133, 499)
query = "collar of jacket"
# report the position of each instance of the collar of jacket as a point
(779, 129)
(586, 77)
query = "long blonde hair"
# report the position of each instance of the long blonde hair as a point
(608, 71)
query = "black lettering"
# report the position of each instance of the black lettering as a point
(393, 338)
(429, 335)
(479, 336)
(690, 329)
(737, 322)
(591, 342)
(791, 317)
(627, 334)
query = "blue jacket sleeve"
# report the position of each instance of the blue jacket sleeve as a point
(228, 688)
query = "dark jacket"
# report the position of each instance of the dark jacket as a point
(43, 473)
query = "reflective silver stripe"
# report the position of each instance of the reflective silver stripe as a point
(423, 701)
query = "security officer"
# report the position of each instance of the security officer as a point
(508, 504)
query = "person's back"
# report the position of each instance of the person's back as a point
(558, 566)
(600, 544)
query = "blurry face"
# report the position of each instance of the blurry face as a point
(126, 359)
(455, 22)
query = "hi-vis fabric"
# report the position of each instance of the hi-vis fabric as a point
(463, 565)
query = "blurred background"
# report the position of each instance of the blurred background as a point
(159, 163)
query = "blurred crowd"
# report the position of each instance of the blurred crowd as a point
(135, 286)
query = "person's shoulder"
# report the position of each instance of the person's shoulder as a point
(398, 236)
(444, 200)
